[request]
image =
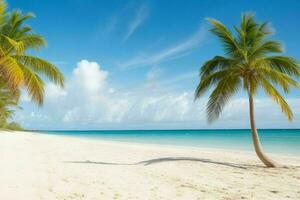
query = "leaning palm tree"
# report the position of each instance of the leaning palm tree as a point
(252, 62)
(17, 68)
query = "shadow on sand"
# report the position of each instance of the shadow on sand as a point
(168, 159)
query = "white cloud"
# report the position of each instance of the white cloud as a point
(53, 91)
(89, 77)
(88, 101)
(139, 18)
(173, 52)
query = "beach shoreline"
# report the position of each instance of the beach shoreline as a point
(170, 146)
(43, 166)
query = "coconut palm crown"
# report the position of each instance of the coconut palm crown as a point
(251, 62)
(17, 68)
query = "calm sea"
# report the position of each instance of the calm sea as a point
(282, 141)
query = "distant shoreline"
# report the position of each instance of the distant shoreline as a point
(277, 141)
(37, 130)
(121, 137)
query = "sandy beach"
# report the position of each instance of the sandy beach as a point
(39, 166)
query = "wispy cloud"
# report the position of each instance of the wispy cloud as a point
(111, 25)
(173, 52)
(180, 78)
(156, 80)
(140, 16)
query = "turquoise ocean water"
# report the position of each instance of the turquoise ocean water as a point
(282, 141)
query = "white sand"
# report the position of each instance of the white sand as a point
(36, 166)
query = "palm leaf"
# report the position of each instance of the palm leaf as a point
(217, 63)
(12, 45)
(284, 64)
(11, 72)
(41, 66)
(34, 85)
(225, 89)
(213, 79)
(33, 41)
(3, 7)
(278, 78)
(264, 48)
(230, 45)
(275, 95)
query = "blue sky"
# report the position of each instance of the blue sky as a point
(140, 61)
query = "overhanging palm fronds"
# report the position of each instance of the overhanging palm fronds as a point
(17, 68)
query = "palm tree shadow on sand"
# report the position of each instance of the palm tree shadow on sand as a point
(169, 159)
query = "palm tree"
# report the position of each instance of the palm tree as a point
(251, 61)
(17, 68)
(8, 104)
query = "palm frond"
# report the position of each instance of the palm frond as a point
(34, 85)
(8, 103)
(17, 18)
(230, 45)
(13, 26)
(32, 41)
(24, 30)
(41, 66)
(17, 69)
(213, 79)
(3, 7)
(247, 30)
(284, 64)
(11, 72)
(12, 45)
(275, 95)
(264, 48)
(278, 78)
(216, 63)
(225, 89)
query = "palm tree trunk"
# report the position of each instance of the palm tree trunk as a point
(257, 145)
